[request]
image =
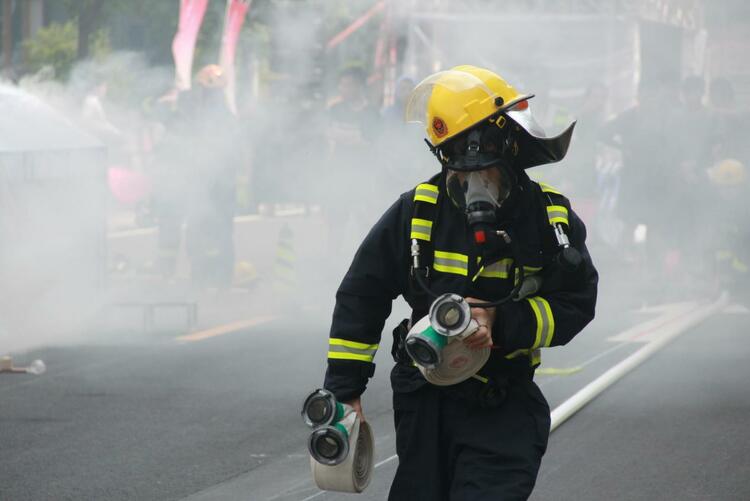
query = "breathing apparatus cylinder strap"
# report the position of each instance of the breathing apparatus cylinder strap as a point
(355, 472)
(422, 222)
(425, 209)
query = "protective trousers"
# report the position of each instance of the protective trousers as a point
(452, 450)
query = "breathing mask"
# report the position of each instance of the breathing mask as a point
(479, 179)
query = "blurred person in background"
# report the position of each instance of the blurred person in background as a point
(582, 172)
(170, 183)
(212, 157)
(650, 185)
(352, 129)
(482, 438)
(728, 241)
(583, 159)
(693, 132)
(692, 137)
(729, 123)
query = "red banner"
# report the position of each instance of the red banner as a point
(183, 45)
(233, 21)
(355, 25)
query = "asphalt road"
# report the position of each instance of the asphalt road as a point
(153, 416)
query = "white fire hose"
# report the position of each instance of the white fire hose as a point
(355, 472)
(458, 361)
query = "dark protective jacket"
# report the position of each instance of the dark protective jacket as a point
(380, 272)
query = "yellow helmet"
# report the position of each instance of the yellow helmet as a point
(212, 76)
(728, 172)
(452, 102)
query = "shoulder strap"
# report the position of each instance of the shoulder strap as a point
(558, 210)
(557, 205)
(423, 217)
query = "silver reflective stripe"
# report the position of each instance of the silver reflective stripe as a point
(451, 262)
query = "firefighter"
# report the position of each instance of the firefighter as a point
(482, 227)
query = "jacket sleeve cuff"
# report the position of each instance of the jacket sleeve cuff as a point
(347, 379)
(513, 327)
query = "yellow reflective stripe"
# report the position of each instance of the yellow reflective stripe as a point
(546, 188)
(476, 275)
(723, 255)
(516, 353)
(451, 262)
(352, 344)
(739, 266)
(545, 322)
(428, 187)
(450, 269)
(421, 229)
(735, 262)
(498, 269)
(535, 356)
(426, 193)
(538, 318)
(557, 214)
(350, 356)
(452, 255)
(551, 322)
(527, 270)
(286, 255)
(502, 269)
(344, 349)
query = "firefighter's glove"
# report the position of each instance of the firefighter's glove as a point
(485, 317)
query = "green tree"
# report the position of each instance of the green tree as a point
(89, 15)
(56, 45)
(53, 45)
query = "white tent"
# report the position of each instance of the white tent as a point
(53, 196)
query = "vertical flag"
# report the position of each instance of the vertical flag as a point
(233, 20)
(183, 45)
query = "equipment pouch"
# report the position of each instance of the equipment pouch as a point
(485, 395)
(398, 350)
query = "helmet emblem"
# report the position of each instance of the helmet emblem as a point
(439, 127)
